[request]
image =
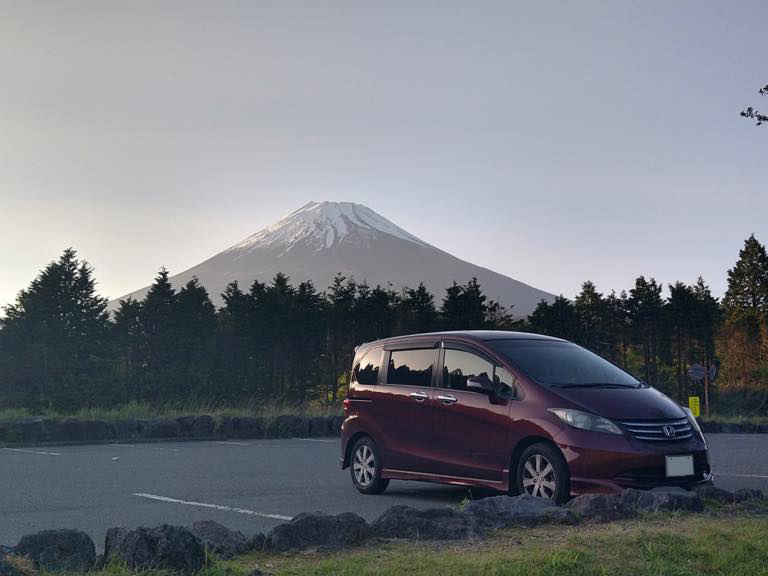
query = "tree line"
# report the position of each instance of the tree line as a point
(276, 342)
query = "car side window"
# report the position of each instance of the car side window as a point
(411, 367)
(366, 371)
(506, 383)
(459, 366)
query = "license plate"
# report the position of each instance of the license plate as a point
(679, 466)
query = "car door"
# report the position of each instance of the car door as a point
(402, 404)
(471, 429)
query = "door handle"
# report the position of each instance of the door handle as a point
(419, 396)
(447, 399)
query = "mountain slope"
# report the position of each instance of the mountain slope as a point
(319, 240)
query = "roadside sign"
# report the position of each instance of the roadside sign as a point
(693, 405)
(697, 371)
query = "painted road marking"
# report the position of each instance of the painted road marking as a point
(741, 475)
(147, 446)
(213, 506)
(33, 451)
(231, 443)
(317, 440)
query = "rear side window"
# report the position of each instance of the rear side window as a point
(411, 367)
(366, 371)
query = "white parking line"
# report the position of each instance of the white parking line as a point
(230, 443)
(317, 440)
(741, 475)
(33, 451)
(213, 506)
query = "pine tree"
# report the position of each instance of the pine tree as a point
(644, 308)
(464, 307)
(743, 341)
(417, 311)
(748, 280)
(589, 308)
(53, 345)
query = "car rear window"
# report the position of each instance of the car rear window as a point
(411, 367)
(562, 364)
(366, 371)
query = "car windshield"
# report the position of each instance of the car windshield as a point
(563, 364)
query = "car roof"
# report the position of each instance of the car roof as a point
(482, 335)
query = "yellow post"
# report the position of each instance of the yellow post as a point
(693, 405)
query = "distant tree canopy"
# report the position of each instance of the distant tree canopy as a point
(755, 114)
(284, 343)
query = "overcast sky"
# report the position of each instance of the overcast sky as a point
(550, 141)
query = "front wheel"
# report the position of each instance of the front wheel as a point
(543, 472)
(365, 467)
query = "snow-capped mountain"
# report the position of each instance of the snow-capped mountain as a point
(319, 240)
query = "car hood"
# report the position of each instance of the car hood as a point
(623, 403)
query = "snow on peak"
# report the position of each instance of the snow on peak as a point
(323, 225)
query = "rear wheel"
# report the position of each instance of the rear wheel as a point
(365, 467)
(543, 472)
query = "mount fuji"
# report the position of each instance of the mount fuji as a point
(319, 240)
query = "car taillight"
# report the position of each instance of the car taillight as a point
(346, 406)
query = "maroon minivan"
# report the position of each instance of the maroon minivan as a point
(516, 412)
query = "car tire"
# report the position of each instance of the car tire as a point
(365, 467)
(542, 471)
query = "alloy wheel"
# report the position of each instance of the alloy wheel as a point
(539, 477)
(364, 465)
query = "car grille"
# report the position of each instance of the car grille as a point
(659, 430)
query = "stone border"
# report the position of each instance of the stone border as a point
(42, 431)
(186, 550)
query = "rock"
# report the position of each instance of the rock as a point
(710, 426)
(432, 524)
(224, 542)
(747, 494)
(505, 511)
(59, 550)
(258, 542)
(336, 423)
(732, 428)
(163, 548)
(72, 430)
(202, 427)
(17, 566)
(223, 427)
(185, 425)
(28, 432)
(312, 530)
(320, 426)
(125, 429)
(163, 429)
(248, 427)
(667, 498)
(710, 492)
(601, 507)
(288, 426)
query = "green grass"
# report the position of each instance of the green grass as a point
(731, 419)
(676, 546)
(146, 411)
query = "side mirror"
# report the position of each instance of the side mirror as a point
(481, 384)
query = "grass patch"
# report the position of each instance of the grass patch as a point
(670, 546)
(147, 411)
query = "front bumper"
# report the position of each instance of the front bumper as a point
(610, 463)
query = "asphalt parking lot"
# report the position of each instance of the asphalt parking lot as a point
(250, 485)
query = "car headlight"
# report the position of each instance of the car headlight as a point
(586, 421)
(693, 421)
